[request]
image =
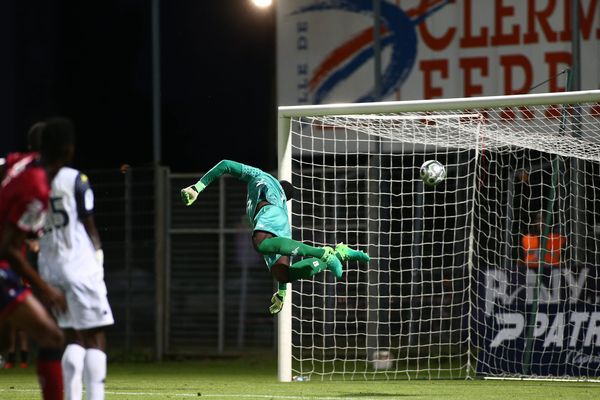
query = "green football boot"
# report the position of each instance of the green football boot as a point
(345, 253)
(333, 263)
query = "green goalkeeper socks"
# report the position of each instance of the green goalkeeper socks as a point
(289, 247)
(306, 268)
(281, 288)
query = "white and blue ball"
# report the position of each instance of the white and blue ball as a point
(432, 172)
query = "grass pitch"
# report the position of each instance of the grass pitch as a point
(255, 377)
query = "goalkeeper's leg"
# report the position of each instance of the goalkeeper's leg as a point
(320, 259)
(265, 243)
(282, 245)
(285, 246)
(303, 269)
(283, 273)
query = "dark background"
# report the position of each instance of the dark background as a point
(91, 61)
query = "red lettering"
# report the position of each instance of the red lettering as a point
(595, 111)
(507, 114)
(434, 43)
(428, 121)
(468, 40)
(552, 112)
(586, 20)
(532, 36)
(565, 34)
(510, 114)
(500, 38)
(510, 61)
(428, 67)
(468, 64)
(554, 60)
(526, 113)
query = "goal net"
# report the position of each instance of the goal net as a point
(493, 272)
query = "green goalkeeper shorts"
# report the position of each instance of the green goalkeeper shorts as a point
(274, 220)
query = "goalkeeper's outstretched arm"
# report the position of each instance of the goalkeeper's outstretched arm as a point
(233, 168)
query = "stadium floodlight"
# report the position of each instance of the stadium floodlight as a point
(449, 291)
(262, 3)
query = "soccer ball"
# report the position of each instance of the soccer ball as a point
(382, 359)
(432, 172)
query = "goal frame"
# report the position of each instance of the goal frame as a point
(286, 113)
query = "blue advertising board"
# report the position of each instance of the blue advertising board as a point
(546, 325)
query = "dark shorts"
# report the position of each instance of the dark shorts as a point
(12, 291)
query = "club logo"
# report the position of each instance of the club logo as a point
(398, 31)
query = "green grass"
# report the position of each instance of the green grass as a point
(255, 377)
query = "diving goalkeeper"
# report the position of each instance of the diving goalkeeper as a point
(266, 207)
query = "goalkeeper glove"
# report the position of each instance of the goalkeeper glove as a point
(276, 303)
(190, 193)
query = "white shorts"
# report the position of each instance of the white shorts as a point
(87, 304)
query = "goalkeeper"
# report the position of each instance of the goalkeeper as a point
(266, 208)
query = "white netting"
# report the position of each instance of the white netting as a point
(499, 128)
(451, 291)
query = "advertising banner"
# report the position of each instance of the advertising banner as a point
(546, 325)
(430, 48)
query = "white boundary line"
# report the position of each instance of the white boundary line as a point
(541, 379)
(201, 395)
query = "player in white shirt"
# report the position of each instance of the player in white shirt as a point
(71, 258)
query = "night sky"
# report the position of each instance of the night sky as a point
(91, 61)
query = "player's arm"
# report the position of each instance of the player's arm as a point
(11, 246)
(238, 170)
(90, 227)
(84, 198)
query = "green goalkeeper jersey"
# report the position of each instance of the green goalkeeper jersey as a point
(261, 185)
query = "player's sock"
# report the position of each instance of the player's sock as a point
(24, 359)
(281, 289)
(289, 247)
(94, 373)
(49, 373)
(72, 364)
(306, 268)
(11, 358)
(345, 253)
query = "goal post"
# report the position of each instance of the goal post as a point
(284, 318)
(493, 272)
